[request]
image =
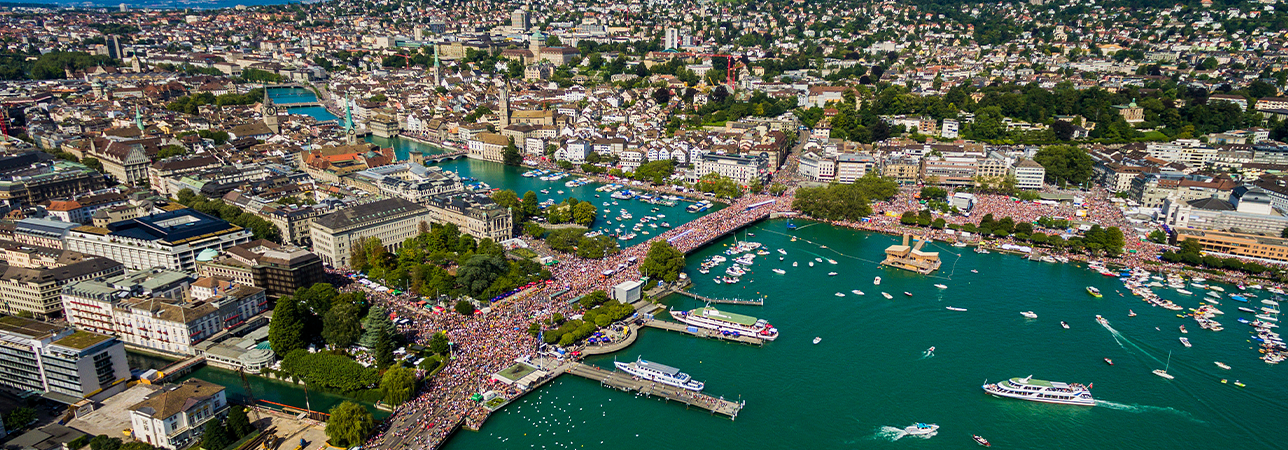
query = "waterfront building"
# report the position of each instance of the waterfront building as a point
(740, 168)
(169, 240)
(392, 220)
(1190, 152)
(64, 364)
(911, 257)
(488, 147)
(1249, 210)
(175, 417)
(278, 269)
(950, 171)
(150, 309)
(474, 214)
(1251, 246)
(851, 166)
(413, 182)
(1028, 174)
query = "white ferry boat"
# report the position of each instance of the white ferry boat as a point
(1042, 391)
(713, 319)
(660, 373)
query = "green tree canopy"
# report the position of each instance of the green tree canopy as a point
(349, 425)
(663, 262)
(399, 384)
(1064, 164)
(340, 325)
(286, 330)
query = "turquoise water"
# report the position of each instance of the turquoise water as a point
(401, 146)
(870, 377)
(510, 177)
(298, 95)
(263, 388)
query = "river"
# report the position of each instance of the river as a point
(870, 376)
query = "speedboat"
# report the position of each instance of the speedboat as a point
(1093, 291)
(856, 292)
(887, 295)
(1183, 330)
(1065, 325)
(954, 308)
(1102, 320)
(877, 281)
(780, 271)
(1222, 365)
(1109, 361)
(907, 293)
(817, 340)
(980, 440)
(1186, 342)
(921, 429)
(838, 294)
(1029, 314)
(941, 286)
(1183, 291)
(831, 274)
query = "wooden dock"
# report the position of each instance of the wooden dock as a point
(627, 383)
(702, 332)
(727, 301)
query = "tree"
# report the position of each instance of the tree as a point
(348, 425)
(340, 325)
(663, 262)
(215, 437)
(662, 96)
(171, 151)
(104, 442)
(438, 343)
(376, 324)
(19, 418)
(1065, 164)
(511, 155)
(1063, 130)
(531, 205)
(464, 308)
(93, 163)
(478, 273)
(584, 213)
(1158, 237)
(384, 350)
(136, 445)
(399, 384)
(286, 330)
(238, 424)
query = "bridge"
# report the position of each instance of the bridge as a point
(180, 368)
(297, 104)
(626, 383)
(727, 301)
(445, 157)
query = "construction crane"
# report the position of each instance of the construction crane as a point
(729, 72)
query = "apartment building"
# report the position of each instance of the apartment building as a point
(64, 364)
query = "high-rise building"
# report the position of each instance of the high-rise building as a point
(521, 20)
(65, 364)
(672, 39)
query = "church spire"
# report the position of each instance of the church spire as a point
(138, 118)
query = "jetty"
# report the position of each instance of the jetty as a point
(702, 332)
(727, 301)
(911, 257)
(627, 383)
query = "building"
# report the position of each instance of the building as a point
(628, 291)
(148, 309)
(950, 129)
(34, 285)
(911, 257)
(1190, 152)
(488, 147)
(1264, 248)
(47, 180)
(413, 182)
(278, 269)
(1131, 112)
(742, 169)
(391, 220)
(169, 240)
(520, 20)
(42, 232)
(474, 214)
(175, 417)
(65, 364)
(851, 166)
(1028, 174)
(1248, 211)
(952, 171)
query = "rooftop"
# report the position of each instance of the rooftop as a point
(27, 327)
(81, 340)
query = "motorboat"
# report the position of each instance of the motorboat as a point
(877, 281)
(954, 308)
(1063, 324)
(1094, 292)
(887, 295)
(980, 440)
(1183, 330)
(831, 274)
(922, 429)
(907, 293)
(793, 263)
(1183, 291)
(1109, 361)
(1042, 391)
(941, 286)
(817, 340)
(1131, 313)
(1222, 365)
(1102, 320)
(856, 292)
(838, 294)
(780, 271)
(1186, 342)
(811, 263)
(1029, 314)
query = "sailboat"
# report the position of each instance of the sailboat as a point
(1163, 372)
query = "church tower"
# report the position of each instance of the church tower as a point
(350, 133)
(505, 104)
(438, 69)
(270, 113)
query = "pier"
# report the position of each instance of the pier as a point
(627, 383)
(702, 332)
(727, 301)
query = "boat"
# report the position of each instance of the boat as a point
(1183, 330)
(793, 263)
(959, 244)
(1183, 291)
(1102, 320)
(1238, 298)
(941, 286)
(831, 261)
(1093, 291)
(930, 350)
(1247, 309)
(954, 308)
(877, 281)
(817, 340)
(713, 319)
(811, 263)
(1042, 391)
(974, 271)
(921, 429)
(1163, 372)
(1222, 365)
(1238, 383)
(818, 259)
(1186, 342)
(1109, 361)
(831, 274)
(782, 252)
(1131, 313)
(660, 373)
(1063, 324)
(856, 292)
(980, 440)
(838, 294)
(887, 296)
(907, 293)
(1029, 314)
(780, 271)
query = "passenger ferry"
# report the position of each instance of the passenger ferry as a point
(660, 373)
(1042, 391)
(713, 319)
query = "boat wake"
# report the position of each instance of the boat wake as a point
(893, 434)
(927, 354)
(1146, 409)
